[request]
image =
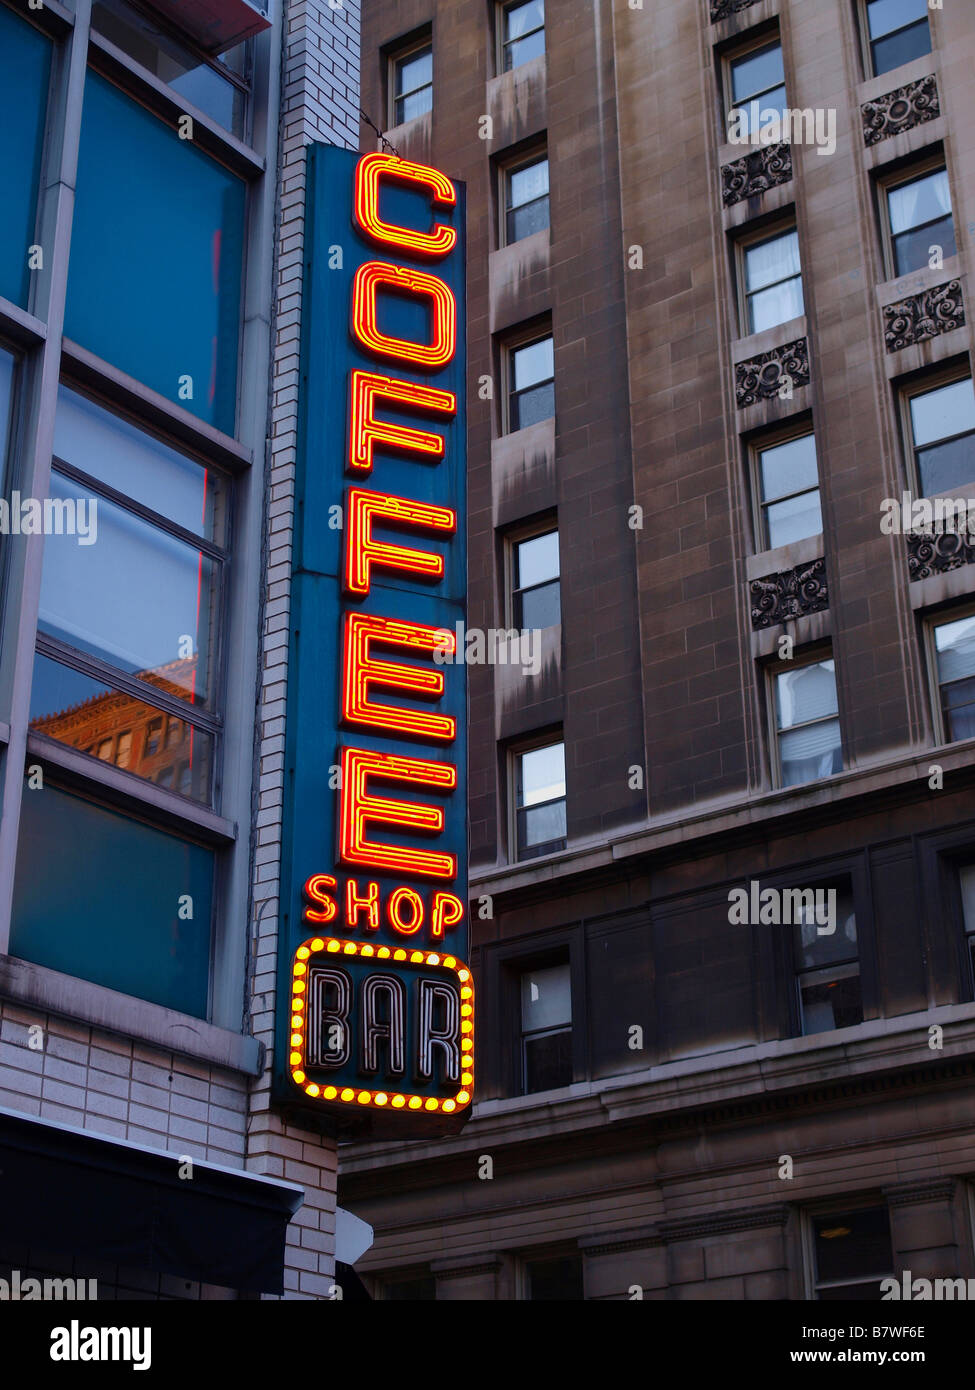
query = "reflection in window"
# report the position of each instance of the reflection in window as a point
(179, 215)
(789, 481)
(828, 965)
(955, 650)
(920, 220)
(853, 1254)
(943, 436)
(536, 594)
(531, 394)
(773, 281)
(25, 71)
(413, 84)
(807, 719)
(546, 1029)
(758, 76)
(523, 36)
(540, 800)
(526, 199)
(898, 31)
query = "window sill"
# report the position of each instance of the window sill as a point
(915, 281)
(784, 557)
(35, 986)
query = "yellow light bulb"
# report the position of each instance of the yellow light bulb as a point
(348, 1093)
(380, 1097)
(299, 1077)
(303, 953)
(317, 944)
(415, 1102)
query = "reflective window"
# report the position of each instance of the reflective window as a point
(536, 593)
(853, 1254)
(540, 800)
(546, 1028)
(954, 645)
(526, 199)
(8, 366)
(789, 480)
(119, 924)
(523, 35)
(757, 87)
(773, 281)
(943, 436)
(531, 394)
(413, 84)
(25, 71)
(920, 221)
(154, 284)
(827, 963)
(898, 32)
(807, 718)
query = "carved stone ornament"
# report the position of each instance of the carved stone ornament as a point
(756, 173)
(772, 374)
(777, 598)
(900, 110)
(724, 9)
(925, 315)
(929, 554)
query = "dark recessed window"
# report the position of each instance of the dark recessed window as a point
(920, 220)
(523, 32)
(535, 598)
(853, 1254)
(546, 1028)
(828, 965)
(898, 32)
(421, 1289)
(525, 199)
(773, 281)
(807, 720)
(966, 882)
(954, 645)
(789, 488)
(531, 394)
(757, 76)
(558, 1280)
(540, 800)
(413, 84)
(942, 426)
(25, 70)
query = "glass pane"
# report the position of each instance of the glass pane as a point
(541, 829)
(538, 608)
(789, 467)
(912, 250)
(533, 363)
(183, 70)
(805, 694)
(416, 104)
(923, 200)
(777, 305)
(955, 645)
(966, 877)
(548, 1062)
(811, 753)
(958, 705)
(25, 70)
(414, 72)
(134, 463)
(757, 72)
(139, 599)
(541, 774)
(7, 368)
(946, 411)
(902, 47)
(770, 261)
(123, 929)
(525, 221)
(172, 261)
(537, 560)
(546, 998)
(528, 183)
(883, 16)
(831, 999)
(822, 908)
(117, 728)
(795, 519)
(521, 19)
(771, 103)
(523, 50)
(947, 466)
(852, 1245)
(532, 406)
(555, 1280)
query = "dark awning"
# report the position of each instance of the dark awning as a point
(69, 1191)
(216, 25)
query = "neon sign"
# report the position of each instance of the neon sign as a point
(376, 999)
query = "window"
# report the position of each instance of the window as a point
(413, 83)
(828, 966)
(535, 584)
(522, 32)
(942, 431)
(546, 1029)
(919, 220)
(756, 87)
(807, 720)
(540, 800)
(852, 1254)
(772, 281)
(217, 86)
(156, 192)
(789, 489)
(954, 645)
(421, 1288)
(531, 383)
(120, 931)
(25, 71)
(525, 198)
(557, 1280)
(966, 878)
(897, 32)
(8, 371)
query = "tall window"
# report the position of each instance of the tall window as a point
(522, 32)
(852, 1253)
(942, 429)
(756, 83)
(8, 367)
(540, 800)
(546, 1028)
(828, 966)
(25, 70)
(531, 383)
(897, 32)
(554, 1280)
(789, 490)
(920, 220)
(413, 83)
(966, 878)
(525, 198)
(535, 583)
(807, 720)
(772, 281)
(954, 645)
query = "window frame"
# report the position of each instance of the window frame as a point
(846, 883)
(564, 958)
(886, 183)
(733, 55)
(837, 1208)
(942, 617)
(748, 241)
(796, 427)
(502, 44)
(808, 657)
(514, 750)
(526, 531)
(920, 385)
(526, 337)
(399, 54)
(512, 165)
(866, 45)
